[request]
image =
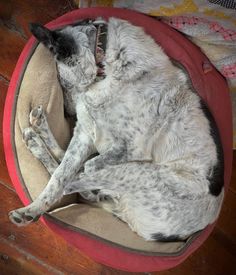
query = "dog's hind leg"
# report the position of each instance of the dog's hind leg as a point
(41, 142)
(39, 150)
(156, 201)
(39, 123)
(80, 148)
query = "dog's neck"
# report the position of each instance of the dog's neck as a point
(100, 48)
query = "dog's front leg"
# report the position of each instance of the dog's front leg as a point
(79, 149)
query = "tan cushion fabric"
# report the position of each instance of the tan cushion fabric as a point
(103, 224)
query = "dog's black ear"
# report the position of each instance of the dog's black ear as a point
(43, 34)
(58, 43)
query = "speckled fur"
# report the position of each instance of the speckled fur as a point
(156, 151)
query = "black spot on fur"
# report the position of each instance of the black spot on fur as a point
(162, 238)
(216, 174)
(95, 192)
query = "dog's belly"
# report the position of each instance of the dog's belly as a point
(135, 146)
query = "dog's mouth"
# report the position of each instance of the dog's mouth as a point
(100, 46)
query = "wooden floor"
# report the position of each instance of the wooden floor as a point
(35, 249)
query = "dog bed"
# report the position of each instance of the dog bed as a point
(92, 230)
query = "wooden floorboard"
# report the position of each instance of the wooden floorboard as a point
(4, 177)
(37, 250)
(15, 260)
(11, 46)
(227, 219)
(211, 259)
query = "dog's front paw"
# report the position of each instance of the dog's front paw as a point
(37, 117)
(22, 217)
(29, 136)
(33, 142)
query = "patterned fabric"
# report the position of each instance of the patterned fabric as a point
(179, 22)
(209, 24)
(229, 4)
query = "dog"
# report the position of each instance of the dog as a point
(159, 161)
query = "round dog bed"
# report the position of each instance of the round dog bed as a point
(92, 230)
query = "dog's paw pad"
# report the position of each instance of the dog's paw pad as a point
(36, 116)
(16, 218)
(28, 218)
(21, 219)
(28, 134)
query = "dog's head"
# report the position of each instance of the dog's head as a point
(74, 50)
